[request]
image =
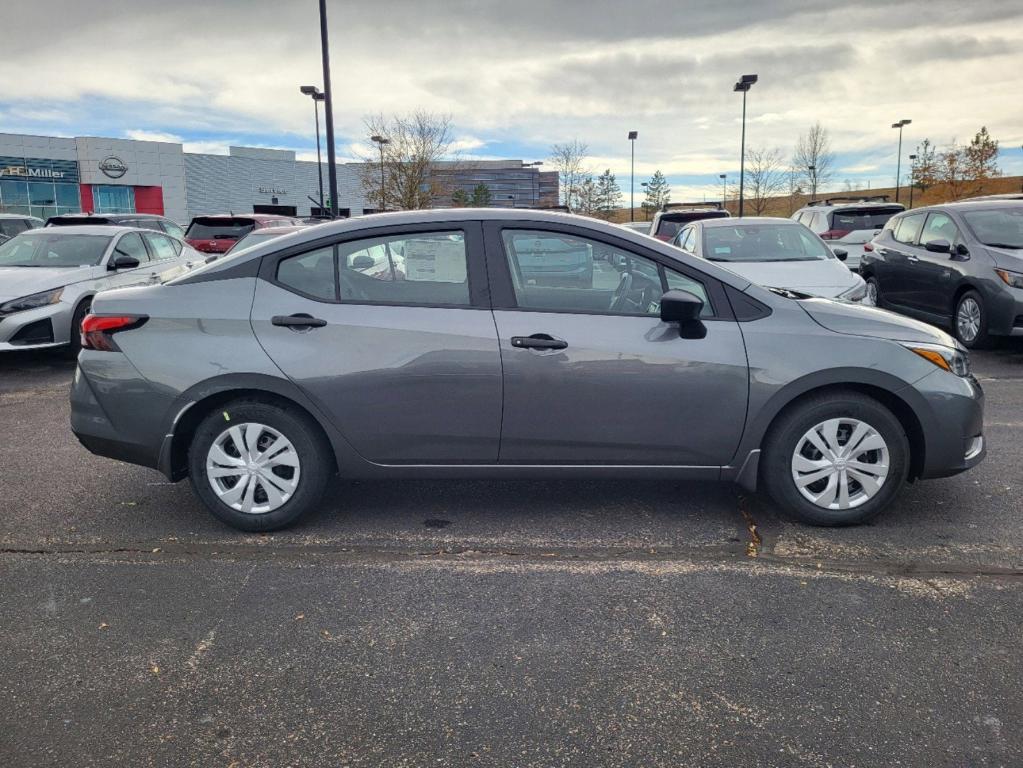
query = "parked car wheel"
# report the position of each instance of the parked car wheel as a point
(873, 297)
(970, 320)
(75, 340)
(259, 466)
(835, 459)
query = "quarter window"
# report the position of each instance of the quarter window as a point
(939, 227)
(558, 272)
(162, 247)
(908, 228)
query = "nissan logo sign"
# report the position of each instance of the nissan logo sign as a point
(113, 167)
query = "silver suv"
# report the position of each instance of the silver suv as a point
(262, 374)
(847, 223)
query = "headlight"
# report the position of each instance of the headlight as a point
(30, 302)
(1011, 279)
(857, 292)
(952, 360)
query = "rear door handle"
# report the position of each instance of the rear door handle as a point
(538, 341)
(300, 320)
(911, 257)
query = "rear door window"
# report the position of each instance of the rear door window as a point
(131, 245)
(908, 229)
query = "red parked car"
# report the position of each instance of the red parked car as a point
(218, 234)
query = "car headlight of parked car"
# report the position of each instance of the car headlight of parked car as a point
(952, 360)
(857, 292)
(30, 302)
(1011, 279)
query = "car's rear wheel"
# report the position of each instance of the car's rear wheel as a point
(835, 459)
(873, 296)
(970, 320)
(259, 466)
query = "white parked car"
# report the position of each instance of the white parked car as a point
(48, 277)
(848, 223)
(774, 253)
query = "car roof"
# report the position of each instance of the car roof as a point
(442, 216)
(84, 229)
(832, 205)
(746, 221)
(274, 231)
(255, 216)
(971, 205)
(95, 215)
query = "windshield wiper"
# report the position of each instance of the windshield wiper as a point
(1004, 245)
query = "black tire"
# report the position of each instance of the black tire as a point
(982, 339)
(75, 341)
(314, 453)
(874, 287)
(786, 433)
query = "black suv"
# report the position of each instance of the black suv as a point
(958, 264)
(136, 220)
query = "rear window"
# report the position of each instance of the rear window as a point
(670, 223)
(219, 229)
(851, 219)
(12, 227)
(71, 221)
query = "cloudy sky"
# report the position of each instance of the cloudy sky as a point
(518, 76)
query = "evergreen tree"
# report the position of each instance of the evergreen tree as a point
(658, 194)
(481, 196)
(460, 199)
(609, 194)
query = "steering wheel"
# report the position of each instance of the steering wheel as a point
(621, 294)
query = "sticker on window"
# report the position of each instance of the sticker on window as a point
(437, 261)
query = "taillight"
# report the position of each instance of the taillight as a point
(868, 247)
(834, 234)
(98, 330)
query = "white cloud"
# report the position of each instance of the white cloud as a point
(141, 135)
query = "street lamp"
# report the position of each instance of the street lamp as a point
(633, 135)
(743, 85)
(913, 176)
(328, 106)
(724, 190)
(380, 141)
(898, 161)
(813, 182)
(536, 178)
(317, 97)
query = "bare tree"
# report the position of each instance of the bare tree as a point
(569, 161)
(766, 177)
(412, 177)
(813, 158)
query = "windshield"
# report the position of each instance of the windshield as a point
(219, 229)
(1000, 227)
(53, 249)
(763, 242)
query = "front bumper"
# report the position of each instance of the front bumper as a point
(39, 328)
(1005, 311)
(953, 424)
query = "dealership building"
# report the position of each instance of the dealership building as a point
(46, 175)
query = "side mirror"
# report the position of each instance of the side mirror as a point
(962, 251)
(939, 246)
(121, 260)
(362, 262)
(684, 308)
(841, 254)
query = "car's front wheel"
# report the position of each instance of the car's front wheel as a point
(970, 320)
(835, 459)
(259, 466)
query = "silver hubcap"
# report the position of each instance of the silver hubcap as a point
(968, 319)
(253, 468)
(840, 463)
(871, 299)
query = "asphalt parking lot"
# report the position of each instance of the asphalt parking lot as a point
(502, 624)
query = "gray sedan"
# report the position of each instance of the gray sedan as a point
(48, 277)
(263, 374)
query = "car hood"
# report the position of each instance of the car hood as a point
(16, 282)
(1007, 258)
(826, 277)
(860, 320)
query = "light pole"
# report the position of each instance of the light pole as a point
(317, 97)
(813, 182)
(536, 176)
(380, 141)
(898, 160)
(724, 190)
(744, 84)
(912, 178)
(646, 208)
(328, 105)
(633, 135)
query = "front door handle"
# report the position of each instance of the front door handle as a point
(538, 341)
(300, 320)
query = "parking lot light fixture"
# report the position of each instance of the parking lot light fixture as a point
(743, 85)
(898, 160)
(813, 182)
(317, 96)
(328, 106)
(380, 141)
(724, 190)
(633, 135)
